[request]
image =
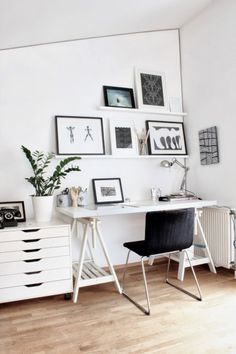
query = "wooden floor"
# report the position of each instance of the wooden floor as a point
(105, 322)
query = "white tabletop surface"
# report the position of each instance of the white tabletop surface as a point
(93, 210)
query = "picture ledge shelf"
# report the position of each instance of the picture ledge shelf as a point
(87, 157)
(137, 110)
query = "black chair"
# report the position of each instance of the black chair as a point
(166, 233)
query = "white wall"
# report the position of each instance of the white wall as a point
(38, 83)
(208, 49)
(28, 22)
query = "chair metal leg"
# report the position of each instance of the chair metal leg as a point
(140, 307)
(123, 281)
(195, 277)
(199, 298)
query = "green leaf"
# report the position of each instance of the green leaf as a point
(39, 162)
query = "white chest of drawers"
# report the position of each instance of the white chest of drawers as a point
(35, 261)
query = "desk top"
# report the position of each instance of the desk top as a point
(93, 210)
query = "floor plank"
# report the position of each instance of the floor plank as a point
(104, 322)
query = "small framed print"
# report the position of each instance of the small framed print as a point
(107, 190)
(151, 90)
(19, 208)
(208, 143)
(123, 138)
(79, 135)
(121, 97)
(166, 138)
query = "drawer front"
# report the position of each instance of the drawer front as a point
(34, 243)
(35, 265)
(36, 277)
(38, 290)
(29, 234)
(36, 253)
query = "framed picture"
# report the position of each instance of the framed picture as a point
(79, 135)
(18, 206)
(166, 138)
(123, 138)
(151, 90)
(208, 143)
(121, 97)
(107, 190)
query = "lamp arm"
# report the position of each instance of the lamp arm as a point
(183, 182)
(186, 169)
(179, 164)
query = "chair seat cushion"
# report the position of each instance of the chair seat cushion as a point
(142, 249)
(137, 247)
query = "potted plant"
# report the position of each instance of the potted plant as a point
(45, 185)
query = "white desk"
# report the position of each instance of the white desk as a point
(88, 273)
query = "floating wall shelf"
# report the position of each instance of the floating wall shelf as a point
(141, 157)
(136, 110)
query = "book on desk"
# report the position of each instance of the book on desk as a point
(178, 197)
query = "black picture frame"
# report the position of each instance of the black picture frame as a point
(107, 190)
(166, 138)
(19, 205)
(120, 97)
(88, 129)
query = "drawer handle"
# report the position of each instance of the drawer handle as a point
(34, 250)
(32, 285)
(36, 272)
(32, 260)
(31, 230)
(33, 240)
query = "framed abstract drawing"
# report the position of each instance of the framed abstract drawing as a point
(120, 97)
(208, 143)
(107, 190)
(166, 138)
(151, 90)
(79, 135)
(123, 138)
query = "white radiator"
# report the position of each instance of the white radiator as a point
(218, 227)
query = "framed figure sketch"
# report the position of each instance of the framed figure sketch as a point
(79, 135)
(151, 90)
(166, 138)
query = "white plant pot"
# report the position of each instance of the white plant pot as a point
(43, 208)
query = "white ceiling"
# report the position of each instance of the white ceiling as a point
(27, 22)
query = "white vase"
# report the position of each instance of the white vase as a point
(43, 208)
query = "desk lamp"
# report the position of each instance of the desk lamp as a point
(168, 164)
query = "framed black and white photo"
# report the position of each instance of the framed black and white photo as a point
(166, 138)
(151, 90)
(79, 135)
(123, 138)
(18, 207)
(121, 97)
(107, 190)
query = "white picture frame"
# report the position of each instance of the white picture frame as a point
(151, 90)
(123, 137)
